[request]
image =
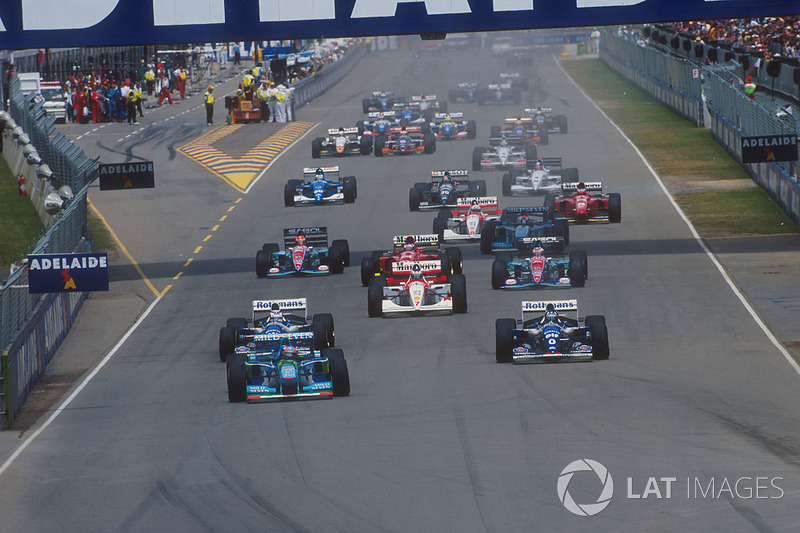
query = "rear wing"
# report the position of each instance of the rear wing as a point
(488, 204)
(525, 120)
(552, 162)
(380, 94)
(428, 98)
(538, 110)
(442, 116)
(459, 176)
(421, 241)
(509, 75)
(511, 214)
(495, 86)
(539, 307)
(381, 114)
(298, 335)
(315, 236)
(263, 307)
(427, 267)
(338, 131)
(330, 172)
(590, 186)
(467, 85)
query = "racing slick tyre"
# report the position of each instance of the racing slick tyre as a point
(487, 236)
(360, 126)
(614, 207)
(477, 155)
(316, 148)
(570, 175)
(531, 153)
(456, 260)
(508, 180)
(504, 339)
(425, 128)
(227, 342)
(443, 214)
(594, 319)
(429, 143)
(458, 288)
(376, 260)
(499, 273)
(365, 105)
(447, 267)
(495, 132)
(375, 297)
(336, 260)
(262, 263)
(439, 226)
(289, 190)
(237, 377)
(561, 120)
(472, 129)
(349, 190)
(340, 376)
(367, 271)
(577, 276)
(544, 137)
(322, 326)
(550, 204)
(414, 197)
(237, 323)
(599, 338)
(270, 248)
(365, 145)
(344, 247)
(452, 96)
(378, 146)
(422, 187)
(480, 187)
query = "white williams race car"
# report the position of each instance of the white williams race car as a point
(546, 176)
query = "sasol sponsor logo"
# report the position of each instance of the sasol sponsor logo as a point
(305, 231)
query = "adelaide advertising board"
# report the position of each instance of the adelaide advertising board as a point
(67, 272)
(769, 148)
(133, 175)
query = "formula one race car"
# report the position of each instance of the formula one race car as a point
(540, 270)
(276, 316)
(466, 221)
(546, 176)
(499, 93)
(420, 109)
(464, 93)
(519, 130)
(341, 141)
(306, 253)
(320, 186)
(544, 118)
(444, 190)
(545, 334)
(504, 156)
(521, 228)
(416, 287)
(578, 205)
(278, 366)
(517, 80)
(379, 123)
(381, 101)
(519, 57)
(409, 140)
(417, 248)
(448, 126)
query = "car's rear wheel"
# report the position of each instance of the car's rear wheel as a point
(378, 146)
(429, 143)
(439, 225)
(472, 129)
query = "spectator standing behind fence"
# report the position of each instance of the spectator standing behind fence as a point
(750, 88)
(595, 41)
(208, 98)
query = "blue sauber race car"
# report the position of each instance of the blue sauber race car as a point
(520, 228)
(379, 123)
(464, 93)
(306, 252)
(539, 269)
(322, 185)
(381, 101)
(448, 126)
(546, 333)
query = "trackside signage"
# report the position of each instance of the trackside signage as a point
(769, 148)
(59, 23)
(67, 272)
(134, 175)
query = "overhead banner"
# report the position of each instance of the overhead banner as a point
(118, 176)
(67, 273)
(66, 23)
(769, 148)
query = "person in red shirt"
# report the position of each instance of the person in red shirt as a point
(95, 103)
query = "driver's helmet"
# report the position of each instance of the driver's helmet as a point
(519, 121)
(474, 207)
(447, 117)
(341, 131)
(319, 174)
(446, 178)
(416, 272)
(539, 165)
(538, 251)
(581, 188)
(409, 246)
(550, 313)
(503, 142)
(300, 240)
(275, 313)
(403, 130)
(289, 351)
(522, 220)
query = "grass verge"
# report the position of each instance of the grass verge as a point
(683, 155)
(20, 227)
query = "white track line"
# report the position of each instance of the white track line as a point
(252, 184)
(80, 387)
(696, 235)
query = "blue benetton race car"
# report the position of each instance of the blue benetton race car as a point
(306, 253)
(520, 228)
(321, 185)
(545, 333)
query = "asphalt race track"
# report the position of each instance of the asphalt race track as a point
(435, 436)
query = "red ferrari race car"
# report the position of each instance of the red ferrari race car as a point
(577, 204)
(414, 248)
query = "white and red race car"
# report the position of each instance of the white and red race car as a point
(466, 221)
(417, 287)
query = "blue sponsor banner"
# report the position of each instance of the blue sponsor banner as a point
(67, 23)
(67, 272)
